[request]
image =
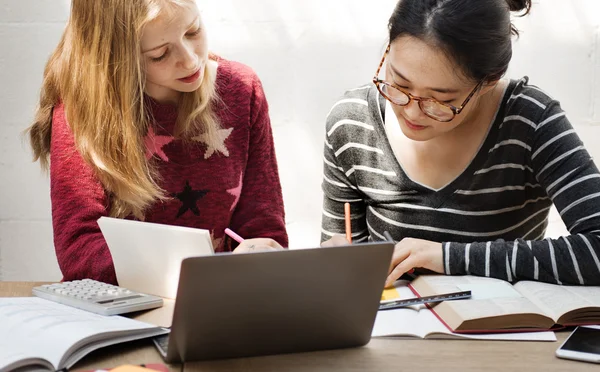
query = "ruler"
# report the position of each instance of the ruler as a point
(422, 300)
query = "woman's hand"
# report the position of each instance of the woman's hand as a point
(410, 253)
(335, 241)
(257, 245)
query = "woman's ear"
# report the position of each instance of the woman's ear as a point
(488, 86)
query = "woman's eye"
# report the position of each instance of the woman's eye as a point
(194, 33)
(158, 59)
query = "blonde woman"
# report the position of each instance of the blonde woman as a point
(137, 120)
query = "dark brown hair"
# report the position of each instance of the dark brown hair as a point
(475, 34)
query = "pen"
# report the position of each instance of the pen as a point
(348, 222)
(234, 236)
(389, 238)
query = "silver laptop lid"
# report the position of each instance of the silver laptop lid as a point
(237, 305)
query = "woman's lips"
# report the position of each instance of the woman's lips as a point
(192, 78)
(414, 126)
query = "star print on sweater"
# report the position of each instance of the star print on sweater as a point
(222, 135)
(236, 191)
(155, 144)
(188, 198)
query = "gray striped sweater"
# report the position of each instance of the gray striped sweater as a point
(491, 220)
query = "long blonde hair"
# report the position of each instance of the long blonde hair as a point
(96, 71)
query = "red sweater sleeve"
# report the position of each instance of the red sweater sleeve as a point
(78, 200)
(260, 212)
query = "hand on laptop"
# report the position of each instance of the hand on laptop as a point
(257, 245)
(410, 253)
(335, 241)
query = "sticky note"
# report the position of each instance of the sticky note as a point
(390, 294)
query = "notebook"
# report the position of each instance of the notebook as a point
(147, 256)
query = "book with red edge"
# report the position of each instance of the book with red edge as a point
(499, 306)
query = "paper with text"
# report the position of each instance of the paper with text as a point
(556, 300)
(496, 301)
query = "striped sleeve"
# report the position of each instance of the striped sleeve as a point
(571, 179)
(337, 187)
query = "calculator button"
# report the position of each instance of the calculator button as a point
(98, 297)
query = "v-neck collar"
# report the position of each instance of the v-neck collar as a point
(390, 126)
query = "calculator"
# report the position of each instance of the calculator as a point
(97, 297)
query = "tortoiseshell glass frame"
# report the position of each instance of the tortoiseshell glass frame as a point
(455, 110)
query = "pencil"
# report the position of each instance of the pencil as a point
(348, 222)
(234, 236)
(388, 237)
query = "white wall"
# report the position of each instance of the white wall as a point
(306, 53)
(29, 30)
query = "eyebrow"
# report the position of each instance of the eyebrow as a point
(162, 45)
(439, 90)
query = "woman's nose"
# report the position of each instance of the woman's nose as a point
(413, 111)
(189, 59)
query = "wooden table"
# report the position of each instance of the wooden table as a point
(379, 355)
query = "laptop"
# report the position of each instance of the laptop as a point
(147, 256)
(241, 305)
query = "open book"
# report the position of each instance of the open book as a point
(420, 322)
(40, 334)
(499, 306)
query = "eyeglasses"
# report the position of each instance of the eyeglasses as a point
(434, 109)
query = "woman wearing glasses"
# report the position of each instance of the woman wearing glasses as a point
(459, 165)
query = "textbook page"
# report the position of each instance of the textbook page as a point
(557, 300)
(490, 297)
(47, 330)
(12, 359)
(418, 321)
(413, 321)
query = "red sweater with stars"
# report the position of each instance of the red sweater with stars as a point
(234, 183)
